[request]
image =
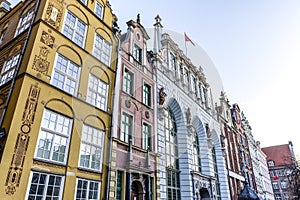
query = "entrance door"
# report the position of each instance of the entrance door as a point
(136, 191)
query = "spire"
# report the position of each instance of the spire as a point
(138, 18)
(157, 34)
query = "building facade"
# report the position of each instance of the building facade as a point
(133, 167)
(281, 160)
(191, 162)
(58, 65)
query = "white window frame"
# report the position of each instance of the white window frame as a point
(102, 50)
(95, 97)
(132, 86)
(91, 142)
(24, 22)
(9, 68)
(63, 132)
(102, 9)
(145, 140)
(147, 97)
(74, 29)
(88, 189)
(125, 136)
(66, 74)
(44, 194)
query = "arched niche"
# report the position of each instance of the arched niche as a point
(60, 106)
(70, 53)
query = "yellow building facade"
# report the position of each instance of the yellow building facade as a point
(58, 64)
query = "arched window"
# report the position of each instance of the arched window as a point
(196, 153)
(172, 165)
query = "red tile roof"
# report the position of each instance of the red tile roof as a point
(280, 154)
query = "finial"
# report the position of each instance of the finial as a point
(138, 18)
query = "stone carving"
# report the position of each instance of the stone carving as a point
(18, 158)
(208, 131)
(188, 116)
(162, 96)
(40, 62)
(54, 13)
(47, 39)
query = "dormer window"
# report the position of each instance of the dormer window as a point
(138, 54)
(271, 163)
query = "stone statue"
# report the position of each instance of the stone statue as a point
(162, 96)
(188, 116)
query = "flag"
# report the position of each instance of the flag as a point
(275, 178)
(187, 39)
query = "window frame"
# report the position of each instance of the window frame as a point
(147, 95)
(91, 144)
(128, 82)
(47, 131)
(74, 29)
(100, 50)
(21, 24)
(125, 137)
(89, 181)
(91, 91)
(138, 53)
(146, 137)
(9, 71)
(43, 195)
(65, 74)
(102, 9)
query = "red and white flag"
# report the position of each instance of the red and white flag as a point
(187, 39)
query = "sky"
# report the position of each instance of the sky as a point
(255, 47)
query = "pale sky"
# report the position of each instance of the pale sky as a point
(255, 46)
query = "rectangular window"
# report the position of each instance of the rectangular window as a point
(87, 189)
(138, 54)
(74, 29)
(54, 136)
(173, 64)
(99, 10)
(146, 140)
(2, 34)
(8, 69)
(83, 1)
(126, 127)
(66, 75)
(45, 186)
(195, 86)
(128, 82)
(147, 94)
(119, 185)
(97, 92)
(102, 50)
(91, 148)
(25, 22)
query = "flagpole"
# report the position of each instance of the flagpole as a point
(185, 44)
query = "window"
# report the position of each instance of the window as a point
(126, 127)
(74, 29)
(196, 153)
(147, 94)
(8, 69)
(102, 50)
(66, 75)
(195, 86)
(277, 196)
(87, 189)
(45, 186)
(54, 137)
(25, 22)
(275, 185)
(270, 163)
(172, 164)
(128, 81)
(146, 140)
(2, 34)
(99, 10)
(214, 158)
(173, 64)
(138, 54)
(284, 184)
(91, 148)
(119, 185)
(97, 92)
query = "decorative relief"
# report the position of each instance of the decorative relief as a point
(20, 149)
(40, 62)
(54, 13)
(47, 39)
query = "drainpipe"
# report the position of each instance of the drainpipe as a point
(114, 116)
(19, 63)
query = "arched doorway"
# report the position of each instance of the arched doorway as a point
(136, 191)
(204, 194)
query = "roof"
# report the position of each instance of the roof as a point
(280, 154)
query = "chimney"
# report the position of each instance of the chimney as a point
(4, 7)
